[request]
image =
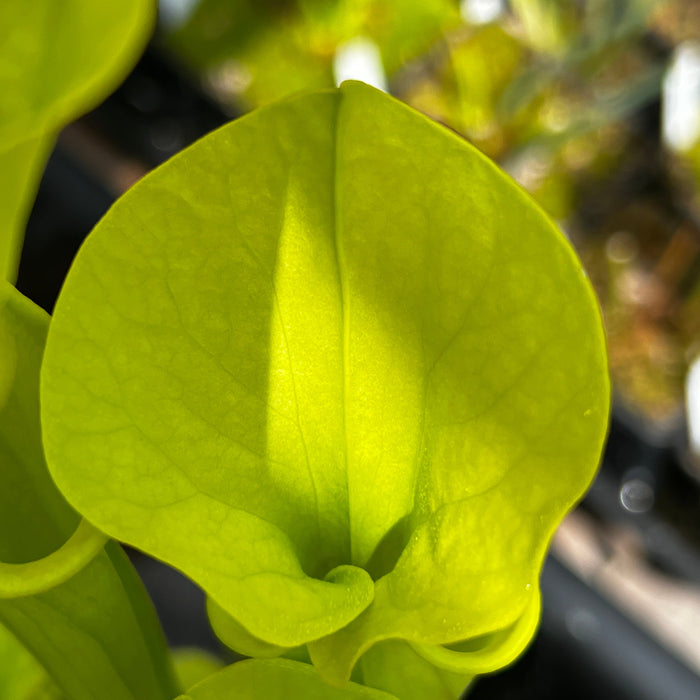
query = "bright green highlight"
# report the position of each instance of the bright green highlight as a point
(336, 367)
(276, 678)
(35, 577)
(57, 60)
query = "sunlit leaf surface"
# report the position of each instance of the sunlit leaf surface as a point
(336, 367)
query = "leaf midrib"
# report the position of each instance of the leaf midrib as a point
(344, 300)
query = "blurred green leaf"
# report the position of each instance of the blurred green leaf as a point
(21, 677)
(483, 65)
(393, 666)
(276, 678)
(193, 665)
(263, 51)
(57, 60)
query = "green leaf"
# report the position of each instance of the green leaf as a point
(96, 634)
(35, 520)
(28, 578)
(193, 665)
(21, 677)
(394, 667)
(327, 342)
(57, 60)
(275, 678)
(489, 653)
(21, 165)
(237, 637)
(273, 527)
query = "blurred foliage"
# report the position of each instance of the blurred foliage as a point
(566, 96)
(260, 50)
